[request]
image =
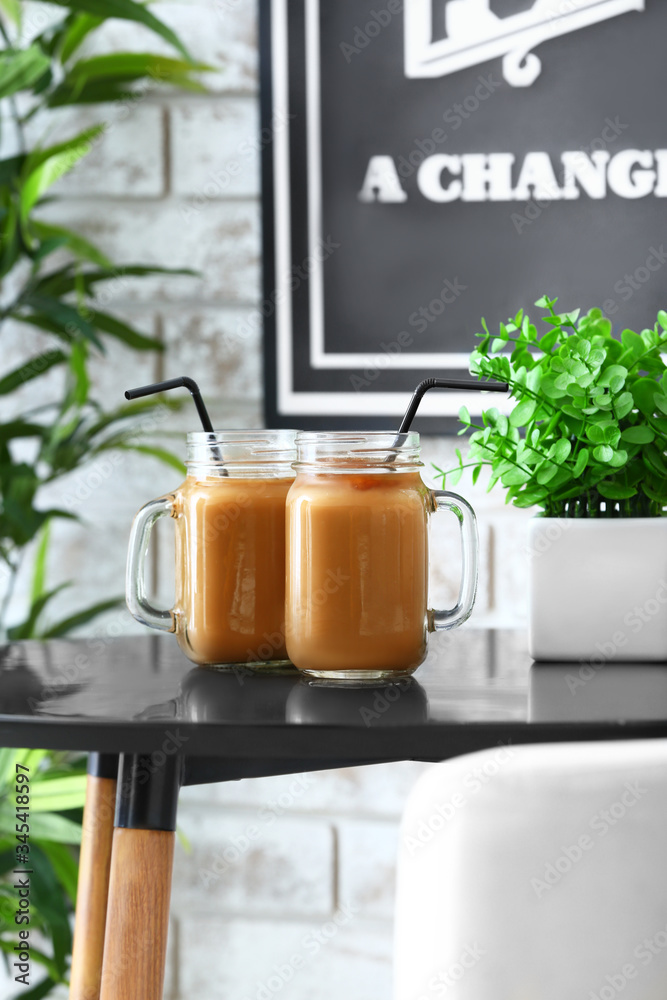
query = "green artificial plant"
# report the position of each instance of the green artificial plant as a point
(587, 435)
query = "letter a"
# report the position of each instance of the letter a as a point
(381, 182)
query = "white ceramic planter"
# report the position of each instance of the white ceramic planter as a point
(598, 589)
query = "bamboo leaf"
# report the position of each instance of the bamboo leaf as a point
(39, 566)
(127, 10)
(129, 66)
(127, 334)
(58, 794)
(81, 618)
(44, 167)
(64, 865)
(43, 826)
(80, 27)
(39, 991)
(31, 370)
(28, 628)
(79, 246)
(21, 69)
(155, 452)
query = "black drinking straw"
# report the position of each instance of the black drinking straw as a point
(445, 383)
(176, 383)
(184, 382)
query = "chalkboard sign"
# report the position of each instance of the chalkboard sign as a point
(430, 162)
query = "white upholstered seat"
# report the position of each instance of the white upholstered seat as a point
(536, 873)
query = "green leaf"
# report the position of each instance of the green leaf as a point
(39, 566)
(560, 451)
(615, 491)
(64, 865)
(632, 342)
(596, 433)
(77, 363)
(129, 11)
(97, 92)
(546, 473)
(614, 373)
(550, 389)
(623, 405)
(640, 434)
(81, 618)
(121, 331)
(58, 794)
(517, 477)
(662, 319)
(43, 826)
(65, 281)
(21, 69)
(44, 167)
(580, 463)
(37, 992)
(129, 66)
(521, 414)
(31, 370)
(655, 459)
(464, 415)
(65, 316)
(75, 243)
(80, 27)
(46, 897)
(28, 628)
(644, 391)
(619, 458)
(12, 8)
(603, 453)
(155, 452)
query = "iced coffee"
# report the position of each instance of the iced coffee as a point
(357, 589)
(230, 569)
(357, 557)
(229, 517)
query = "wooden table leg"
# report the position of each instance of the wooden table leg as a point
(94, 864)
(135, 944)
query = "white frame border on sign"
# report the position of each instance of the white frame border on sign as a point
(290, 402)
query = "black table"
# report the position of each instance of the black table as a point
(152, 722)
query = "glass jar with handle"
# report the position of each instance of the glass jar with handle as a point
(229, 517)
(357, 556)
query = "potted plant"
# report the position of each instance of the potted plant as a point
(586, 442)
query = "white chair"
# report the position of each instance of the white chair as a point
(536, 873)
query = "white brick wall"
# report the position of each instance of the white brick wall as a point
(175, 182)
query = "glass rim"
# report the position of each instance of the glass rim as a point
(357, 451)
(401, 440)
(239, 436)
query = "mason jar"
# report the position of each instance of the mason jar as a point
(358, 556)
(229, 519)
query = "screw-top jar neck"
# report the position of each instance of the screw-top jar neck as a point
(246, 453)
(357, 451)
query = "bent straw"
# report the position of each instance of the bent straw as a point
(176, 383)
(445, 383)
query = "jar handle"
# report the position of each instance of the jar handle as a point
(440, 621)
(135, 576)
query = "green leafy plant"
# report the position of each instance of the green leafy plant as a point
(57, 793)
(51, 277)
(588, 434)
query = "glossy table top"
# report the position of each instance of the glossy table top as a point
(476, 689)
